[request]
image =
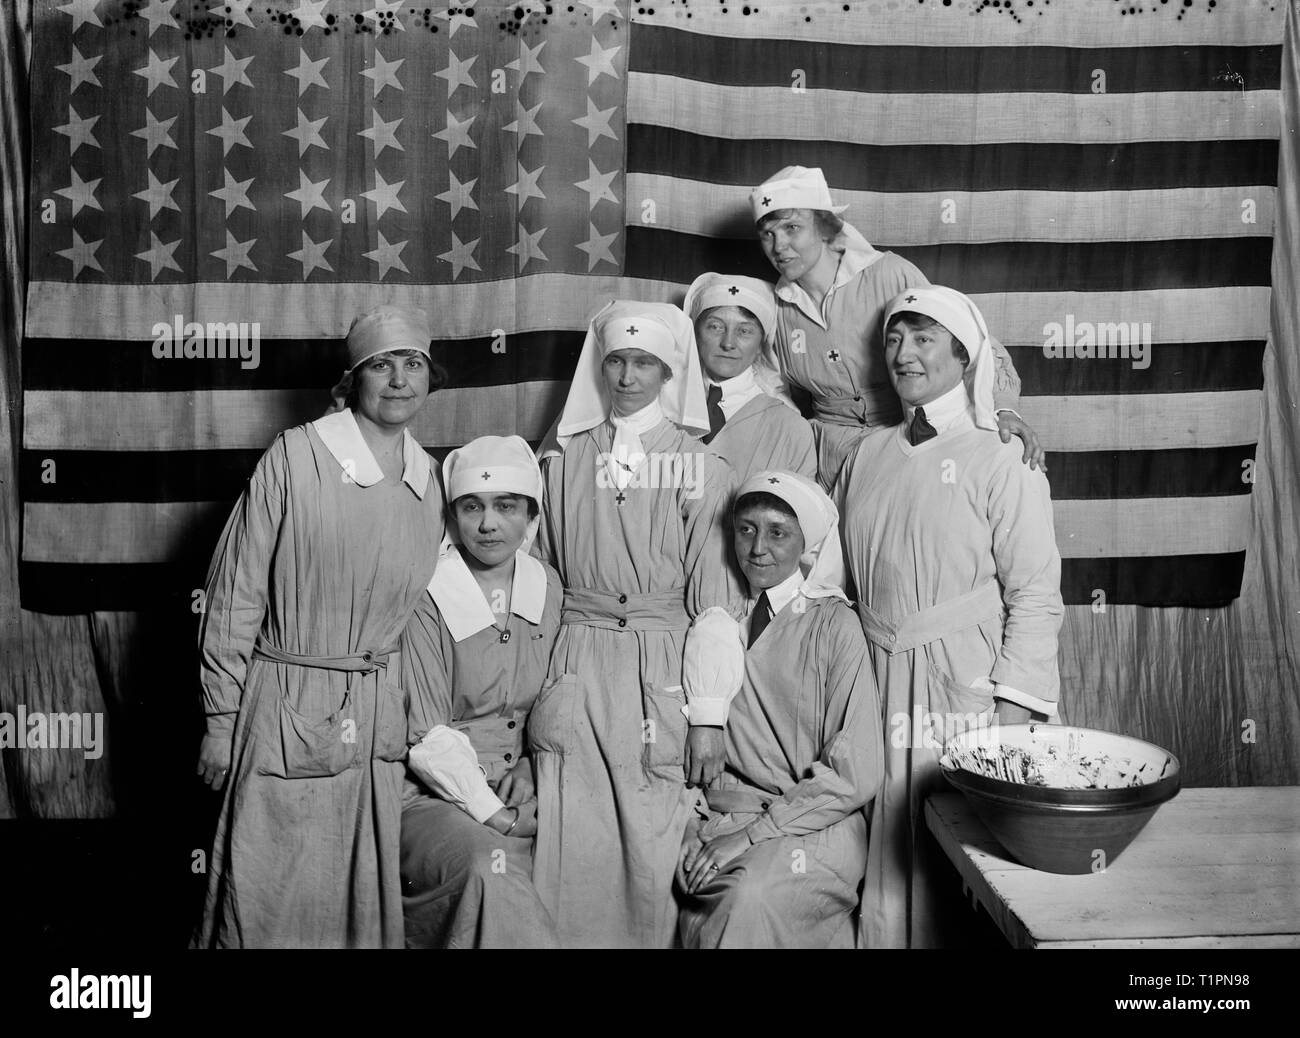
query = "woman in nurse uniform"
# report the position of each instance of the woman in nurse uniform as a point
(474, 657)
(752, 421)
(648, 654)
(783, 846)
(318, 571)
(830, 299)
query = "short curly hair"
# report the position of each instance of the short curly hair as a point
(827, 224)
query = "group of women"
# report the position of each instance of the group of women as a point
(565, 700)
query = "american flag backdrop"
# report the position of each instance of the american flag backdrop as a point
(511, 167)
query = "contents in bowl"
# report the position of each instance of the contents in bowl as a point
(1053, 767)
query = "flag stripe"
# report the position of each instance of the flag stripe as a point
(903, 69)
(853, 166)
(92, 365)
(926, 218)
(152, 531)
(227, 419)
(923, 118)
(1096, 266)
(88, 477)
(1242, 24)
(97, 365)
(57, 310)
(1202, 581)
(1188, 367)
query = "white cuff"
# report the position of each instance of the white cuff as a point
(707, 711)
(483, 804)
(1014, 695)
(1007, 410)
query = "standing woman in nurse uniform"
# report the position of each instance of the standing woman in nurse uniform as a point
(830, 300)
(752, 421)
(474, 657)
(318, 571)
(633, 519)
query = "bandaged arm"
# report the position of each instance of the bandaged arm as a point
(445, 761)
(713, 667)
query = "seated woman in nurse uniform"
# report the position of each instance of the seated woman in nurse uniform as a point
(777, 861)
(474, 657)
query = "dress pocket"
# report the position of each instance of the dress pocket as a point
(390, 720)
(663, 732)
(961, 707)
(553, 719)
(315, 747)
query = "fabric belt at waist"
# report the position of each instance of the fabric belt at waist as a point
(956, 614)
(358, 662)
(738, 801)
(618, 611)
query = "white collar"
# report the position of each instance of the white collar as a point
(342, 438)
(460, 599)
(735, 386)
(946, 410)
(852, 263)
(641, 421)
(784, 593)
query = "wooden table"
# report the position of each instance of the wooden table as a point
(1214, 868)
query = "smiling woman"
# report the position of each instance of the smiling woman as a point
(320, 566)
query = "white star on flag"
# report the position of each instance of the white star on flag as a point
(388, 255)
(159, 256)
(158, 195)
(82, 11)
(308, 72)
(308, 13)
(235, 254)
(527, 61)
(526, 186)
(309, 196)
(157, 72)
(232, 71)
(525, 123)
(79, 131)
(597, 248)
(459, 196)
(597, 185)
(596, 123)
(312, 255)
(528, 247)
(461, 256)
(82, 70)
(156, 133)
(456, 134)
(457, 73)
(235, 12)
(455, 21)
(234, 193)
(600, 8)
(307, 133)
(231, 132)
(82, 254)
(81, 193)
(159, 15)
(384, 195)
(384, 73)
(599, 62)
(383, 134)
(389, 7)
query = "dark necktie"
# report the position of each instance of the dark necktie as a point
(716, 418)
(759, 619)
(920, 430)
